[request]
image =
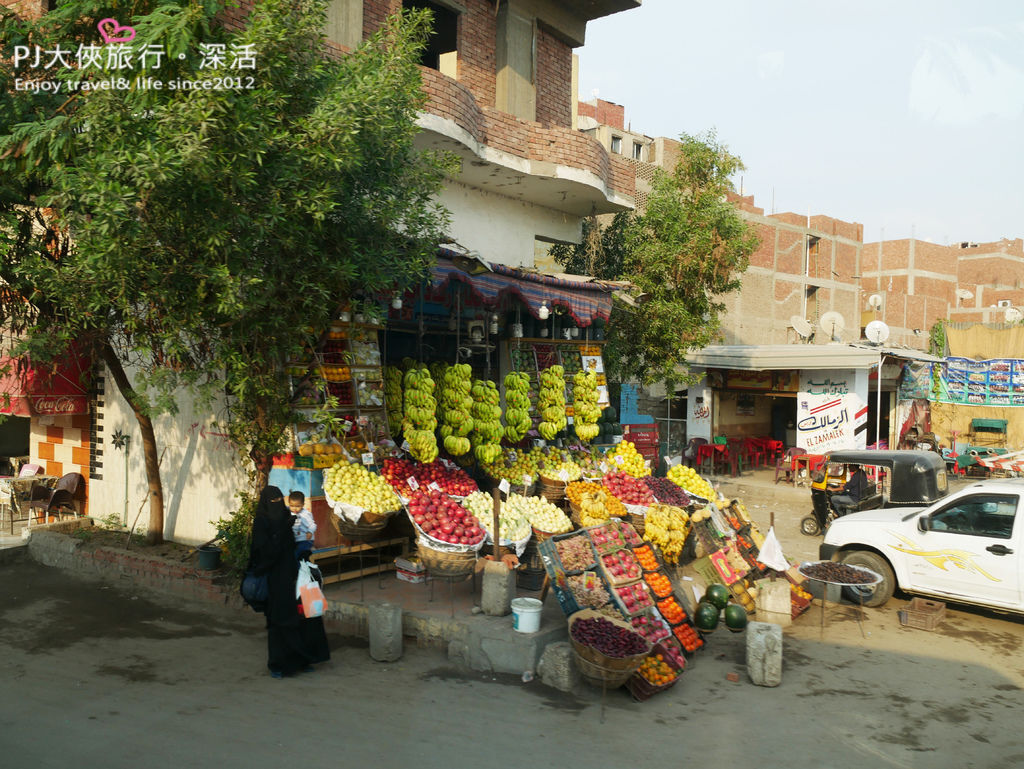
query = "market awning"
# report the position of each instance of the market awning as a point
(777, 357)
(583, 297)
(58, 388)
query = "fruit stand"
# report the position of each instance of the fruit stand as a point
(424, 412)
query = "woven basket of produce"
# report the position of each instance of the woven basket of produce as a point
(552, 489)
(610, 645)
(448, 565)
(598, 675)
(637, 520)
(368, 526)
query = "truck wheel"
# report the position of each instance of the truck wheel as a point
(809, 526)
(875, 595)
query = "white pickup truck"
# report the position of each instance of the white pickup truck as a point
(968, 547)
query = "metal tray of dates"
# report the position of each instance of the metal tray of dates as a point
(837, 573)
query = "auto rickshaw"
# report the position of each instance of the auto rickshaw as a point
(895, 479)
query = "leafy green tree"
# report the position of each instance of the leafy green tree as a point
(682, 254)
(215, 231)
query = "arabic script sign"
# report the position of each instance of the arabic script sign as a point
(830, 422)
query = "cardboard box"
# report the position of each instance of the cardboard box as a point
(408, 576)
(411, 564)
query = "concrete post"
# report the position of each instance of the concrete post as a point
(498, 589)
(384, 622)
(764, 653)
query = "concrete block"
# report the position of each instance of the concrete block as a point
(499, 588)
(556, 667)
(764, 653)
(385, 629)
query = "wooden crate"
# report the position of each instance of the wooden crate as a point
(922, 613)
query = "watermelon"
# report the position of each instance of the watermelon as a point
(735, 617)
(706, 617)
(718, 595)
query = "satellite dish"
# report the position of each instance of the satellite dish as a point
(963, 293)
(1013, 315)
(875, 300)
(876, 331)
(833, 324)
(802, 326)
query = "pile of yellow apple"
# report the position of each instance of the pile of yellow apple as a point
(626, 458)
(353, 484)
(688, 479)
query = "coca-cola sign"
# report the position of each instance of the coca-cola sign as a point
(60, 404)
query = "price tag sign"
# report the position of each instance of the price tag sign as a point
(369, 445)
(616, 439)
(604, 467)
(589, 580)
(569, 420)
(406, 446)
(363, 421)
(647, 464)
(368, 458)
(504, 486)
(346, 424)
(563, 475)
(413, 483)
(620, 460)
(527, 480)
(434, 487)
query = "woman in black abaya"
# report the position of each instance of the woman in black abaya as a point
(294, 642)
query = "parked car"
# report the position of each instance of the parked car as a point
(967, 547)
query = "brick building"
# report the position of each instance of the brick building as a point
(501, 97)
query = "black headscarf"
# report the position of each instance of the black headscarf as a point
(271, 505)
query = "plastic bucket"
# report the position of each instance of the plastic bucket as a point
(526, 615)
(209, 557)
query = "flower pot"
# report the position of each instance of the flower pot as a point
(209, 557)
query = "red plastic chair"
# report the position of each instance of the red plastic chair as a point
(785, 462)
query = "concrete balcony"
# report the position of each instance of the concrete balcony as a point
(554, 167)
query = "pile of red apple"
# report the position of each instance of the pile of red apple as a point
(635, 597)
(621, 566)
(627, 489)
(652, 629)
(629, 534)
(607, 538)
(454, 481)
(441, 517)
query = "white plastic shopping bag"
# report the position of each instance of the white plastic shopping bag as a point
(771, 554)
(308, 590)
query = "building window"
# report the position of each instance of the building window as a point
(443, 42)
(638, 151)
(617, 145)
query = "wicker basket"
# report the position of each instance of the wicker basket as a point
(448, 565)
(602, 666)
(638, 523)
(368, 526)
(552, 489)
(599, 675)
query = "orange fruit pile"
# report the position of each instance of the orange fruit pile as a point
(672, 611)
(646, 558)
(660, 584)
(688, 637)
(656, 670)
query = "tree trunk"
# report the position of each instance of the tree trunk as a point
(155, 531)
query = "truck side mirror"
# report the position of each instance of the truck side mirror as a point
(924, 523)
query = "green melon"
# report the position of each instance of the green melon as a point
(705, 618)
(735, 617)
(717, 594)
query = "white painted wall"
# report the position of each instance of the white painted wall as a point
(698, 421)
(501, 229)
(200, 470)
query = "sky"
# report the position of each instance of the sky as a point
(905, 116)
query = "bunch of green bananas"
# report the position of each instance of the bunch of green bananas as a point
(517, 406)
(455, 406)
(584, 405)
(393, 398)
(487, 430)
(419, 423)
(551, 402)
